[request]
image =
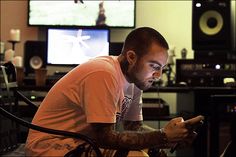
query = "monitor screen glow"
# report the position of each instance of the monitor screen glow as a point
(115, 13)
(74, 46)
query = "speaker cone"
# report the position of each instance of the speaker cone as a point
(211, 22)
(36, 62)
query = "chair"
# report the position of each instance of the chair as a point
(9, 105)
(8, 128)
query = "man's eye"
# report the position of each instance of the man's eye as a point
(155, 67)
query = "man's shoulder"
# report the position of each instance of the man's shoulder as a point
(105, 63)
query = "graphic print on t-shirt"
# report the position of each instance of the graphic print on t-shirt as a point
(125, 104)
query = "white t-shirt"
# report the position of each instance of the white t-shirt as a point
(93, 92)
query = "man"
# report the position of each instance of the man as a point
(96, 95)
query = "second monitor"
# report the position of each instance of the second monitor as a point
(74, 46)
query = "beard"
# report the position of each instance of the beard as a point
(133, 76)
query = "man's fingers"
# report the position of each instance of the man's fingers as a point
(194, 123)
(178, 119)
(194, 120)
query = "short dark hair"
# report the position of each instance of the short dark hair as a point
(140, 40)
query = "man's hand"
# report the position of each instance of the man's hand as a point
(175, 130)
(178, 129)
(183, 132)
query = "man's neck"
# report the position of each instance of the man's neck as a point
(124, 68)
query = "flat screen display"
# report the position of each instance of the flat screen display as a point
(74, 46)
(110, 13)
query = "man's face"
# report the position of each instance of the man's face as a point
(148, 68)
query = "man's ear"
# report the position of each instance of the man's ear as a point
(131, 57)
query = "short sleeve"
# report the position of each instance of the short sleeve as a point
(101, 97)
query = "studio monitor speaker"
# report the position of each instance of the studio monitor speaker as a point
(35, 55)
(211, 25)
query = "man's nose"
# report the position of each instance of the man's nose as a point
(157, 74)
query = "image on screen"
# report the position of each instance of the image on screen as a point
(111, 13)
(74, 46)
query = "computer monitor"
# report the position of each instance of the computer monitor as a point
(115, 13)
(74, 46)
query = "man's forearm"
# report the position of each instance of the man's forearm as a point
(135, 140)
(136, 126)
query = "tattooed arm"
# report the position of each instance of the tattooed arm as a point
(140, 137)
(137, 126)
(107, 137)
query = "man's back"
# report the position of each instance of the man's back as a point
(64, 106)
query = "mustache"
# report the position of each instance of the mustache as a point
(156, 79)
(156, 83)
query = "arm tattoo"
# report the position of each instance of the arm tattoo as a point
(107, 137)
(136, 126)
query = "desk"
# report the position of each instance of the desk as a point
(186, 89)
